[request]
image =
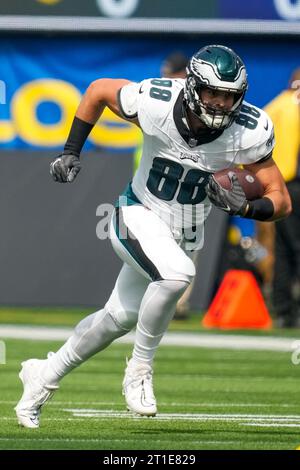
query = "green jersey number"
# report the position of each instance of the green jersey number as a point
(163, 182)
(160, 93)
(248, 117)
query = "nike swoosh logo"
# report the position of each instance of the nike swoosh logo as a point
(34, 420)
(140, 90)
(227, 209)
(267, 126)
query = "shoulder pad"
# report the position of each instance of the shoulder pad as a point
(128, 100)
(156, 100)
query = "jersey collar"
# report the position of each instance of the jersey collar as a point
(193, 140)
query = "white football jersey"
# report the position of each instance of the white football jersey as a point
(176, 164)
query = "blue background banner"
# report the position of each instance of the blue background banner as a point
(45, 79)
(256, 9)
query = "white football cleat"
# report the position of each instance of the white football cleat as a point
(138, 389)
(35, 394)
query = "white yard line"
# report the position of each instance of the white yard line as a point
(274, 425)
(241, 419)
(264, 420)
(108, 413)
(202, 340)
(185, 404)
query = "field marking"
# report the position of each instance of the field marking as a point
(53, 404)
(184, 418)
(122, 413)
(203, 340)
(173, 416)
(283, 421)
(241, 419)
(277, 425)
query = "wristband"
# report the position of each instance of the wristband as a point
(78, 134)
(260, 209)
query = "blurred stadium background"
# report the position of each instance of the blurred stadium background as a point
(54, 269)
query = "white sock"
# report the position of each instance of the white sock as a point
(60, 363)
(91, 335)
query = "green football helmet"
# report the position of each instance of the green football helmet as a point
(219, 68)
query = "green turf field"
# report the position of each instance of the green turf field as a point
(67, 316)
(208, 399)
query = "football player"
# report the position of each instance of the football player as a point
(192, 128)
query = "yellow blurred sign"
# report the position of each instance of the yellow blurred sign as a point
(49, 2)
(109, 132)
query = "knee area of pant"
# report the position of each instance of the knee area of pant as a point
(182, 270)
(181, 277)
(174, 286)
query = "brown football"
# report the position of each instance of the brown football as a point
(249, 182)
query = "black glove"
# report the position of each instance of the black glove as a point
(232, 201)
(65, 168)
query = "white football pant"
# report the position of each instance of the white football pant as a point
(155, 274)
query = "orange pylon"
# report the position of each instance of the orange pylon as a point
(238, 304)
